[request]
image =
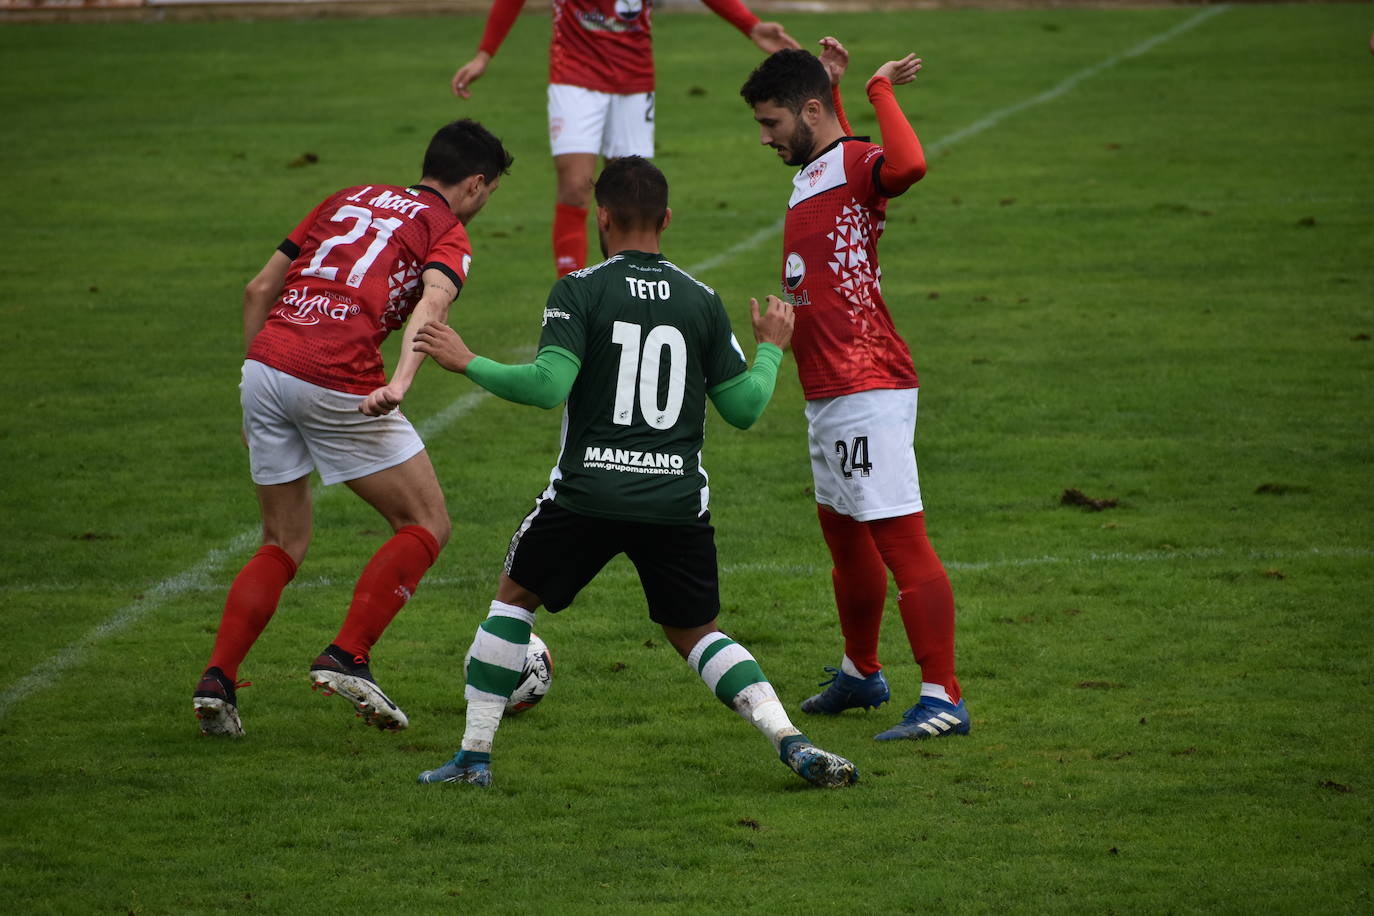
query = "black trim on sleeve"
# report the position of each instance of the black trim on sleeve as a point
(290, 249)
(878, 178)
(446, 271)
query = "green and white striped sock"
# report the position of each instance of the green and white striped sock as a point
(494, 664)
(737, 681)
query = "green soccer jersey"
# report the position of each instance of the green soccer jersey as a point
(652, 341)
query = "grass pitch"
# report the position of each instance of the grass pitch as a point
(1139, 267)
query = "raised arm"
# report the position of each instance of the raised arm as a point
(768, 36)
(835, 59)
(904, 161)
(543, 383)
(499, 22)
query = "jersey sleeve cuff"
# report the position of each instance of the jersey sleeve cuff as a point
(290, 249)
(446, 271)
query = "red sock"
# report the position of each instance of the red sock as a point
(250, 605)
(860, 581)
(387, 582)
(924, 596)
(569, 238)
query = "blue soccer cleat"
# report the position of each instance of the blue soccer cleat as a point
(847, 692)
(930, 718)
(818, 767)
(471, 767)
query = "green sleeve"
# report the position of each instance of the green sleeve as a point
(740, 400)
(542, 383)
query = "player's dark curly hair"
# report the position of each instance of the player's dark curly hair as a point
(634, 192)
(788, 78)
(465, 148)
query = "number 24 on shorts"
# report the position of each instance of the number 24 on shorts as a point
(854, 457)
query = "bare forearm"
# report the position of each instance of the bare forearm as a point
(433, 306)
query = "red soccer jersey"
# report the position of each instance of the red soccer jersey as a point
(355, 278)
(844, 339)
(602, 45)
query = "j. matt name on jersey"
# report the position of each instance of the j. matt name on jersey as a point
(300, 306)
(388, 201)
(621, 459)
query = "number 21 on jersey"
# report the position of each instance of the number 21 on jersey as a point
(363, 220)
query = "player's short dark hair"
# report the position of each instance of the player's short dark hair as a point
(465, 148)
(788, 78)
(634, 192)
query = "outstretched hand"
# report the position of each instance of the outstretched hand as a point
(442, 344)
(470, 73)
(900, 71)
(774, 326)
(771, 36)
(834, 58)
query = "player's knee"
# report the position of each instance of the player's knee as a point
(439, 526)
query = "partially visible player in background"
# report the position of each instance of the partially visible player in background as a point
(601, 93)
(315, 396)
(635, 346)
(858, 378)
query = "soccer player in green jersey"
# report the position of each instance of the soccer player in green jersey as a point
(635, 345)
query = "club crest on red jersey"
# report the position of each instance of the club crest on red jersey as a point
(814, 173)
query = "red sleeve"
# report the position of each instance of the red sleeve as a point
(839, 110)
(733, 12)
(292, 244)
(451, 254)
(904, 162)
(499, 22)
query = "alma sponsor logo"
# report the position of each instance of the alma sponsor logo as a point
(300, 306)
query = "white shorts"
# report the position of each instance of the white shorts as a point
(293, 426)
(585, 121)
(862, 458)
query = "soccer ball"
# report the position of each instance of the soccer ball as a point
(535, 676)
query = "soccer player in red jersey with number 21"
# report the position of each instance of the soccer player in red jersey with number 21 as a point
(858, 378)
(601, 93)
(315, 397)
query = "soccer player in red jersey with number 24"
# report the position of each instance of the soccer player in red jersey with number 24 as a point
(858, 378)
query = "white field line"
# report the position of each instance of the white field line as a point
(47, 672)
(987, 123)
(195, 579)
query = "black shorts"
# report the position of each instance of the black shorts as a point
(555, 553)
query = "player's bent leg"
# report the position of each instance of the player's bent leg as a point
(738, 681)
(494, 664)
(251, 603)
(409, 498)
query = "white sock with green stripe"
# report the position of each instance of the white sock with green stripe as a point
(737, 681)
(494, 664)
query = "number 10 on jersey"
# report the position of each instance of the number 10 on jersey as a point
(647, 363)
